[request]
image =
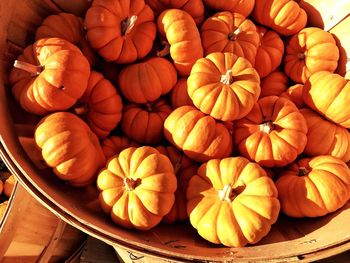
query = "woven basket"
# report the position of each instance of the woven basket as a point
(289, 239)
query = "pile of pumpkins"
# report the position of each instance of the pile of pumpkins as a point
(7, 183)
(223, 112)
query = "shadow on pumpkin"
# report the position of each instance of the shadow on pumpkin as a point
(314, 16)
(343, 59)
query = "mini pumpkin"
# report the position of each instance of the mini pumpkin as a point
(230, 32)
(286, 17)
(295, 94)
(325, 137)
(232, 202)
(69, 27)
(270, 52)
(3, 207)
(148, 80)
(50, 75)
(184, 169)
(199, 136)
(328, 94)
(70, 148)
(314, 187)
(144, 123)
(274, 84)
(273, 133)
(195, 8)
(137, 187)
(120, 30)
(243, 7)
(100, 105)
(1, 187)
(113, 145)
(9, 185)
(224, 85)
(179, 94)
(310, 51)
(184, 45)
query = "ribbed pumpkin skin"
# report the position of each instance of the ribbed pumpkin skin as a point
(195, 8)
(273, 133)
(198, 135)
(314, 187)
(184, 39)
(184, 168)
(100, 105)
(69, 27)
(62, 81)
(286, 17)
(310, 51)
(295, 94)
(110, 30)
(274, 84)
(230, 32)
(144, 124)
(325, 137)
(224, 86)
(70, 148)
(270, 52)
(146, 81)
(137, 187)
(179, 94)
(243, 7)
(115, 144)
(232, 202)
(328, 94)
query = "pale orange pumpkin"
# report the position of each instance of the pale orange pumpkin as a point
(137, 187)
(273, 133)
(198, 135)
(230, 32)
(232, 202)
(224, 86)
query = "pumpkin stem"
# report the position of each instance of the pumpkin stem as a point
(303, 171)
(128, 24)
(165, 51)
(233, 35)
(301, 56)
(130, 184)
(82, 109)
(227, 78)
(32, 69)
(229, 194)
(267, 127)
(148, 107)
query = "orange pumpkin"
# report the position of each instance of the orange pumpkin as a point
(1, 187)
(295, 94)
(120, 30)
(224, 85)
(232, 202)
(243, 7)
(113, 145)
(144, 123)
(270, 52)
(100, 105)
(273, 133)
(184, 45)
(50, 75)
(310, 51)
(9, 185)
(325, 137)
(70, 148)
(69, 27)
(179, 94)
(184, 168)
(195, 8)
(328, 94)
(230, 32)
(146, 81)
(314, 187)
(137, 187)
(3, 208)
(286, 17)
(274, 84)
(198, 135)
